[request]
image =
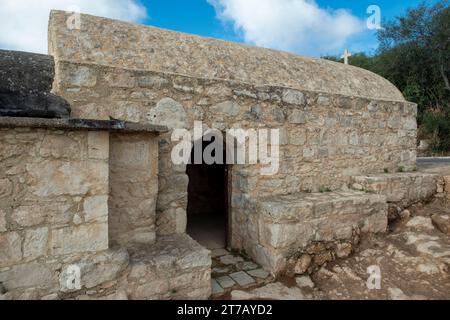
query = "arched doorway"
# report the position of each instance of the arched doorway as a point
(208, 201)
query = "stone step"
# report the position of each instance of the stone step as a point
(175, 267)
(288, 224)
(402, 188)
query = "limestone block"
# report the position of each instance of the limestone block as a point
(170, 113)
(2, 220)
(35, 244)
(11, 248)
(120, 80)
(91, 237)
(55, 178)
(80, 76)
(59, 146)
(230, 108)
(297, 117)
(98, 145)
(5, 188)
(294, 97)
(96, 209)
(96, 269)
(29, 275)
(442, 222)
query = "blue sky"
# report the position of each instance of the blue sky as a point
(306, 27)
(199, 17)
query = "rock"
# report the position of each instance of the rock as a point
(26, 80)
(219, 253)
(33, 274)
(230, 108)
(2, 288)
(304, 282)
(90, 238)
(420, 223)
(297, 117)
(242, 278)
(272, 291)
(216, 288)
(229, 259)
(405, 214)
(26, 73)
(397, 294)
(2, 220)
(247, 265)
(442, 222)
(96, 209)
(294, 97)
(11, 248)
(259, 273)
(302, 264)
(343, 250)
(35, 244)
(38, 105)
(50, 297)
(226, 282)
(170, 113)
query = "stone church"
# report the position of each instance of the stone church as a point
(88, 180)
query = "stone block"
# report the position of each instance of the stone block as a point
(11, 248)
(98, 145)
(96, 209)
(84, 238)
(35, 244)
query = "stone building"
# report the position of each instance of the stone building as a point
(105, 195)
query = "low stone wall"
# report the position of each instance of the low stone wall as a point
(401, 189)
(284, 226)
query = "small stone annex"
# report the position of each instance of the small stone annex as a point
(87, 179)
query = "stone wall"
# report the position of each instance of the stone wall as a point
(325, 139)
(133, 188)
(53, 203)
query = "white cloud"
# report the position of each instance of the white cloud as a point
(293, 25)
(23, 23)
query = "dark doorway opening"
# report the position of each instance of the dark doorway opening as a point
(208, 201)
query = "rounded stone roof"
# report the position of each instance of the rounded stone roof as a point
(120, 44)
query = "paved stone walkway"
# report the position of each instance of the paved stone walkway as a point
(234, 272)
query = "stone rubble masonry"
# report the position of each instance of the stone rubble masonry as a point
(286, 225)
(133, 188)
(109, 42)
(401, 189)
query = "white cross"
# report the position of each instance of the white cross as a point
(346, 55)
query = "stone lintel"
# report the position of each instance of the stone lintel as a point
(80, 125)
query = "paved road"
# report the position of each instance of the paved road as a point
(437, 165)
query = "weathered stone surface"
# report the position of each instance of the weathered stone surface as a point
(35, 244)
(11, 252)
(170, 113)
(37, 105)
(228, 107)
(259, 273)
(261, 66)
(242, 278)
(420, 223)
(226, 282)
(2, 220)
(96, 209)
(302, 264)
(304, 282)
(25, 83)
(84, 238)
(272, 291)
(442, 222)
(29, 275)
(97, 269)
